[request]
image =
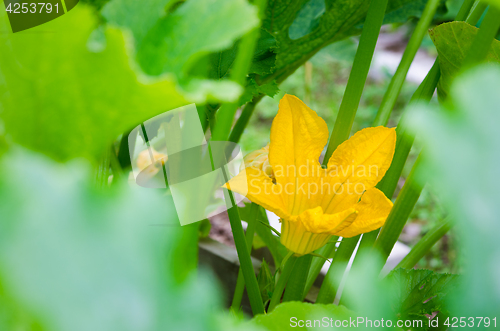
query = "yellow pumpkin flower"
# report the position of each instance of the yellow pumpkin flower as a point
(259, 159)
(314, 203)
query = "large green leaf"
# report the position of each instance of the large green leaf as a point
(287, 315)
(303, 27)
(419, 292)
(462, 145)
(68, 90)
(400, 11)
(196, 28)
(453, 40)
(77, 259)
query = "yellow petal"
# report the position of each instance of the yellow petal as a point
(316, 221)
(297, 239)
(258, 188)
(373, 210)
(298, 135)
(357, 165)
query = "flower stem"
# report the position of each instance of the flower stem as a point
(282, 280)
(424, 245)
(482, 42)
(243, 252)
(398, 79)
(357, 77)
(243, 120)
(330, 285)
(477, 12)
(249, 235)
(296, 284)
(398, 216)
(405, 139)
(225, 115)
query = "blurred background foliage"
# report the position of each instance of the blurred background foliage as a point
(74, 257)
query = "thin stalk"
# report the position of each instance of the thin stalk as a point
(316, 265)
(240, 281)
(243, 252)
(399, 77)
(295, 287)
(345, 119)
(477, 12)
(243, 120)
(239, 71)
(482, 42)
(282, 280)
(400, 212)
(405, 139)
(330, 285)
(357, 77)
(466, 7)
(425, 244)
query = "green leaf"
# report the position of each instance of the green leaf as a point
(195, 29)
(419, 292)
(266, 281)
(137, 16)
(63, 99)
(453, 41)
(80, 259)
(286, 316)
(253, 89)
(263, 60)
(302, 28)
(400, 11)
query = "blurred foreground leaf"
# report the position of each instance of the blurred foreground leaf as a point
(286, 316)
(417, 293)
(462, 144)
(76, 259)
(453, 41)
(68, 89)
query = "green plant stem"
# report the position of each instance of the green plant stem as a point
(282, 280)
(240, 281)
(243, 252)
(296, 283)
(400, 212)
(317, 263)
(477, 12)
(464, 10)
(399, 77)
(425, 244)
(243, 120)
(405, 139)
(345, 119)
(330, 285)
(482, 42)
(357, 77)
(239, 71)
